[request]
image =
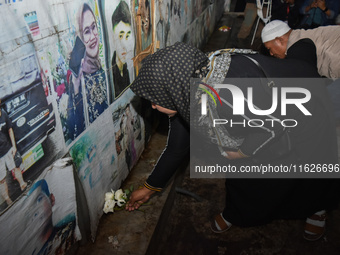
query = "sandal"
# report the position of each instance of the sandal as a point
(315, 227)
(219, 224)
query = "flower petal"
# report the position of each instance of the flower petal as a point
(121, 202)
(118, 194)
(109, 206)
(109, 196)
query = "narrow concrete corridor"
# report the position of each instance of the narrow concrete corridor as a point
(174, 223)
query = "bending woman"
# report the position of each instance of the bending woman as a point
(168, 92)
(165, 81)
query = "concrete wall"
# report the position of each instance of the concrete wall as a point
(64, 72)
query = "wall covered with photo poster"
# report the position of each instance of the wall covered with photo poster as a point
(44, 220)
(65, 69)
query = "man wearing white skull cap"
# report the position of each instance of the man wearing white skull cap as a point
(279, 39)
(319, 46)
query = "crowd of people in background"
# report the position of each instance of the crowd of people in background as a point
(306, 13)
(318, 46)
(296, 13)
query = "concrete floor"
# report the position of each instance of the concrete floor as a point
(173, 223)
(132, 231)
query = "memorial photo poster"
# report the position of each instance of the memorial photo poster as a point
(44, 219)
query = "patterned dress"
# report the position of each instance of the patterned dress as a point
(96, 93)
(84, 112)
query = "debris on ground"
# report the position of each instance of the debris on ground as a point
(114, 241)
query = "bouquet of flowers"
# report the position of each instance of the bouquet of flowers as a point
(115, 199)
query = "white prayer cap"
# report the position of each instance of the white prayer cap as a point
(273, 29)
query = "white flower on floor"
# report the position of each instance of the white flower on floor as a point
(109, 195)
(112, 199)
(109, 206)
(120, 196)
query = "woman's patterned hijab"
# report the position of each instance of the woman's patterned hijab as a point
(164, 78)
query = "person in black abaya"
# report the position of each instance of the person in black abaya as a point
(258, 201)
(165, 80)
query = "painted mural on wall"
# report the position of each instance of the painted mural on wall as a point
(175, 20)
(144, 23)
(120, 44)
(28, 121)
(52, 96)
(44, 220)
(104, 157)
(184, 20)
(163, 22)
(147, 26)
(64, 75)
(80, 76)
(129, 133)
(145, 31)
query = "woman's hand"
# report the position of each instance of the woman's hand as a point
(137, 198)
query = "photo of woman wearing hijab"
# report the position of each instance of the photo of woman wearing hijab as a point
(121, 26)
(87, 83)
